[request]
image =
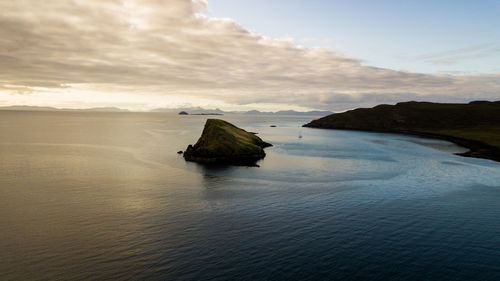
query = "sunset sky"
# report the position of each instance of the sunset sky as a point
(247, 54)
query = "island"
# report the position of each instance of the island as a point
(223, 143)
(185, 113)
(207, 113)
(475, 125)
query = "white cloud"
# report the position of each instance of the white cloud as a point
(166, 50)
(458, 55)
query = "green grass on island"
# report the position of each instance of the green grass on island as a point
(222, 142)
(475, 125)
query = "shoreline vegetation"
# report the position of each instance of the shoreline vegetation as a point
(475, 126)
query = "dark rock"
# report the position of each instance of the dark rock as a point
(223, 143)
(183, 113)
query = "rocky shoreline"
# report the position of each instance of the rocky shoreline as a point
(477, 149)
(475, 126)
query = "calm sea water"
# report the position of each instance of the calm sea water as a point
(105, 196)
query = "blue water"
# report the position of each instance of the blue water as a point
(105, 196)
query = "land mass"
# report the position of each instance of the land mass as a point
(289, 112)
(475, 125)
(46, 108)
(187, 110)
(217, 111)
(223, 143)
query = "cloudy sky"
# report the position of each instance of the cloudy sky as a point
(270, 55)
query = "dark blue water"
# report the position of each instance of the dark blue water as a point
(105, 196)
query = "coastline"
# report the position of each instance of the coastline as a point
(477, 149)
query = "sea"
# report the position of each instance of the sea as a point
(105, 196)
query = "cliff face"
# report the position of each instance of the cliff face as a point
(475, 125)
(223, 143)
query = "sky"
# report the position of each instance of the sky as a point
(419, 36)
(247, 54)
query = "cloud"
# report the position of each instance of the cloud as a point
(154, 48)
(320, 41)
(457, 55)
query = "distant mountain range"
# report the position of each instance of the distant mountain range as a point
(190, 110)
(45, 108)
(199, 110)
(291, 112)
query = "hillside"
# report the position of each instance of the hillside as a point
(475, 125)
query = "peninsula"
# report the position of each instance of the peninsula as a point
(223, 143)
(475, 125)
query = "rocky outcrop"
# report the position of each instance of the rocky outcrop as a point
(223, 143)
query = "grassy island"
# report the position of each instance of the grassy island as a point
(223, 143)
(475, 125)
